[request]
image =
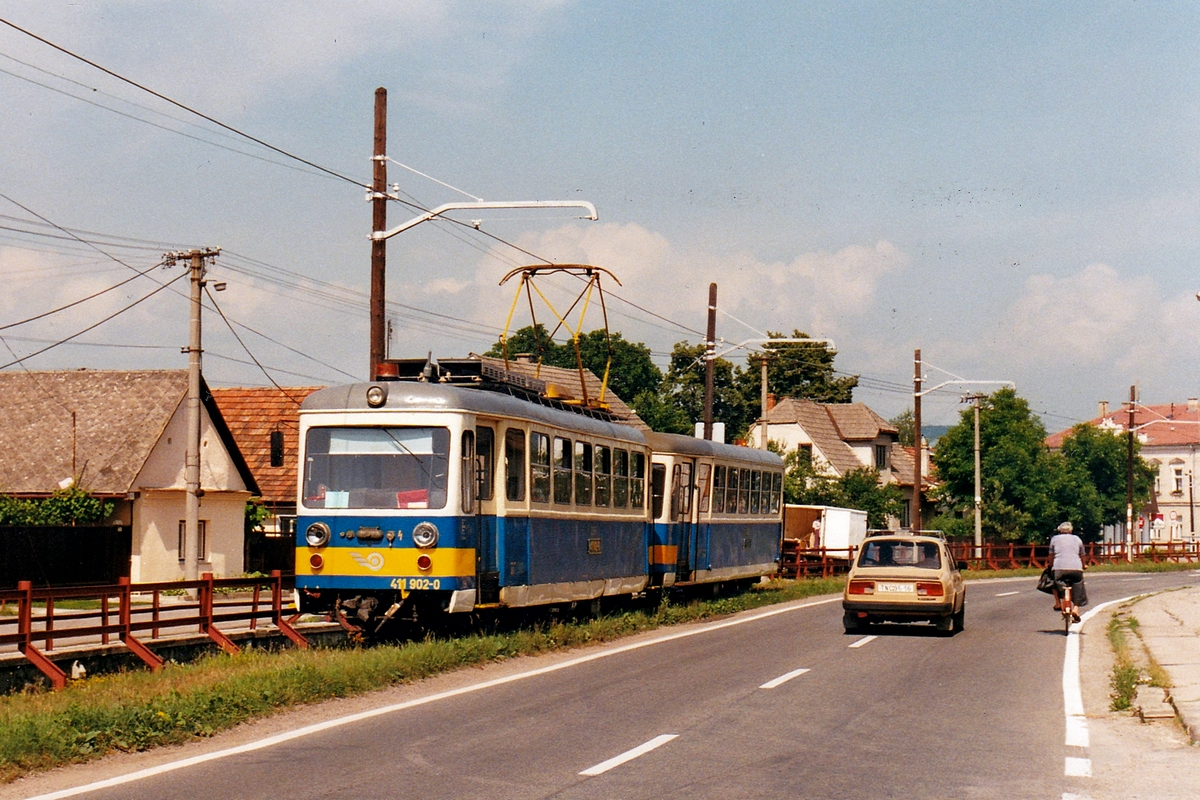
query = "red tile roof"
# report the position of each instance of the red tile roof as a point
(1166, 425)
(252, 414)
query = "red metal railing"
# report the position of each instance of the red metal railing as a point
(824, 562)
(134, 615)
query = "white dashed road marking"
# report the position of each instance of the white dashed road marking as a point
(864, 640)
(782, 679)
(1078, 768)
(629, 755)
(1006, 594)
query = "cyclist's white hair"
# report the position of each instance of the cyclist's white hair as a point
(1066, 527)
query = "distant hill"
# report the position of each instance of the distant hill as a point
(932, 433)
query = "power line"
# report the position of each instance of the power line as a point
(94, 326)
(257, 363)
(177, 104)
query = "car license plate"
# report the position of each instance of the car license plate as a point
(895, 587)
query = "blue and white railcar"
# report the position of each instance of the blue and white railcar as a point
(717, 511)
(446, 497)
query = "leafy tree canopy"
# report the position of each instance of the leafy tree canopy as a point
(806, 484)
(632, 372)
(1027, 489)
(802, 370)
(683, 387)
(905, 425)
(71, 506)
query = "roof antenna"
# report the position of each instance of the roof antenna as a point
(427, 372)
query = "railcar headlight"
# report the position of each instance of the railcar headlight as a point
(317, 534)
(425, 535)
(376, 395)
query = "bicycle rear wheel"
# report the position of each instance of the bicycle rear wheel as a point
(1068, 609)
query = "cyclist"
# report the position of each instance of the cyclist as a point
(1067, 551)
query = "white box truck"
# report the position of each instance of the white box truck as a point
(824, 526)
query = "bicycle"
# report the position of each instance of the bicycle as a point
(1070, 611)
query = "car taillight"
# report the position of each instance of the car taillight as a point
(930, 589)
(862, 587)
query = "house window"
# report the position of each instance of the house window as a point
(1178, 472)
(805, 451)
(203, 551)
(881, 453)
(906, 514)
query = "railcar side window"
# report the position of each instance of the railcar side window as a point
(562, 471)
(603, 466)
(539, 468)
(755, 491)
(620, 478)
(375, 467)
(776, 491)
(467, 479)
(744, 493)
(681, 492)
(514, 464)
(732, 492)
(637, 484)
(702, 481)
(719, 490)
(583, 474)
(658, 486)
(485, 460)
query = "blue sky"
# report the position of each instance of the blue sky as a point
(1010, 187)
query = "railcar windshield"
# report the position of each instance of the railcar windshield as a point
(393, 467)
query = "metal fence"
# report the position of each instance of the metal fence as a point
(797, 562)
(134, 613)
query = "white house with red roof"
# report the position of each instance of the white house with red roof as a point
(1169, 434)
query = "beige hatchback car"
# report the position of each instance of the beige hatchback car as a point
(901, 577)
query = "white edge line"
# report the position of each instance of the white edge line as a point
(864, 640)
(1006, 594)
(782, 679)
(309, 730)
(629, 755)
(1076, 720)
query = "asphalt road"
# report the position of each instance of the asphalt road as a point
(684, 714)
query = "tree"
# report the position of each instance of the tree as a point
(803, 370)
(1100, 458)
(805, 483)
(683, 387)
(1027, 489)
(905, 425)
(72, 506)
(631, 373)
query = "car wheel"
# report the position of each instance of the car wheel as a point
(959, 618)
(945, 625)
(852, 623)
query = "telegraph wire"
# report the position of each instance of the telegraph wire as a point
(257, 363)
(154, 124)
(177, 104)
(95, 325)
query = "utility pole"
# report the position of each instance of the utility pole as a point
(1129, 479)
(191, 464)
(710, 348)
(978, 483)
(916, 501)
(763, 359)
(378, 223)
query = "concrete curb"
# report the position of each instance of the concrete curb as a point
(1169, 626)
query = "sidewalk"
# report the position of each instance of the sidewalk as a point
(1169, 625)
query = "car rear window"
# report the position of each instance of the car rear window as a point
(898, 553)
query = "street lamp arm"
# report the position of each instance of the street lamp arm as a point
(740, 345)
(442, 209)
(962, 383)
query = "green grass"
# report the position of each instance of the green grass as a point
(140, 710)
(1126, 674)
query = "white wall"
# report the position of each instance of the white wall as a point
(161, 502)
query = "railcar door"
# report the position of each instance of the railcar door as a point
(681, 517)
(487, 569)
